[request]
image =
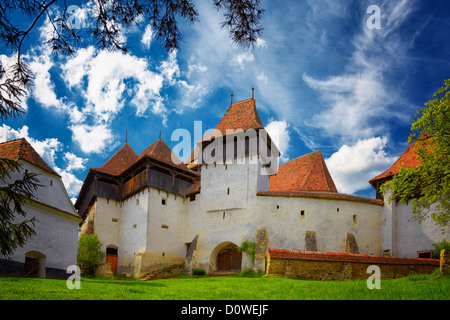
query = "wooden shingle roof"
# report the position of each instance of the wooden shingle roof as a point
(20, 149)
(161, 152)
(120, 161)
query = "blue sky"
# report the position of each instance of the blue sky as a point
(323, 81)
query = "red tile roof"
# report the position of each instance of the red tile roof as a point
(408, 159)
(305, 173)
(161, 152)
(239, 115)
(319, 195)
(20, 149)
(119, 162)
(346, 257)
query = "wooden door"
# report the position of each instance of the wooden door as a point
(111, 258)
(31, 267)
(229, 259)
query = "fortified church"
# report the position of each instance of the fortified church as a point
(150, 210)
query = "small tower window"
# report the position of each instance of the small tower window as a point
(51, 182)
(228, 190)
(163, 201)
(302, 216)
(137, 201)
(354, 220)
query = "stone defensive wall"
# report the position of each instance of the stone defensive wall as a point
(343, 266)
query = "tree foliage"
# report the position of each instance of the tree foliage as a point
(427, 187)
(90, 252)
(14, 193)
(110, 17)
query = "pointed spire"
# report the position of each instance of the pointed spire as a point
(159, 134)
(126, 135)
(231, 98)
(253, 93)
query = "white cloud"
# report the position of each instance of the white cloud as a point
(353, 166)
(146, 39)
(107, 80)
(353, 99)
(71, 182)
(74, 162)
(242, 59)
(91, 138)
(169, 68)
(279, 133)
(357, 99)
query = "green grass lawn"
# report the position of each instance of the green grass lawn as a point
(419, 287)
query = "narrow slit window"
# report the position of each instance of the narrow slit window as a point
(354, 220)
(228, 190)
(163, 201)
(302, 216)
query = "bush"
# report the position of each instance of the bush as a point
(89, 252)
(438, 246)
(198, 272)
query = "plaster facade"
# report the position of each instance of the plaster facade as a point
(55, 244)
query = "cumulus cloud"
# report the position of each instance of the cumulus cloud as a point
(74, 162)
(92, 139)
(352, 166)
(279, 133)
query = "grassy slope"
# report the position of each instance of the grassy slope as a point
(420, 287)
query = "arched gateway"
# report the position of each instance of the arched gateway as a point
(226, 258)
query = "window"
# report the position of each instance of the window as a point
(164, 226)
(228, 190)
(354, 220)
(137, 201)
(424, 254)
(51, 182)
(134, 226)
(114, 219)
(163, 201)
(302, 216)
(337, 210)
(278, 207)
